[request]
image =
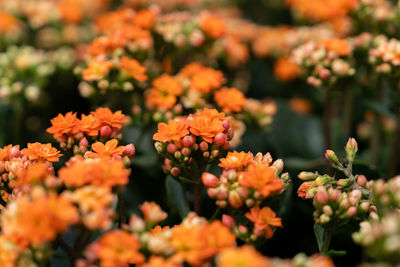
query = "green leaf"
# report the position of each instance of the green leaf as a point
(319, 235)
(333, 253)
(175, 195)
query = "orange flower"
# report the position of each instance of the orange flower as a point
(64, 125)
(173, 131)
(236, 160)
(205, 127)
(207, 80)
(212, 114)
(71, 11)
(38, 151)
(340, 46)
(109, 149)
(107, 118)
(97, 172)
(34, 173)
(300, 105)
(168, 85)
(286, 70)
(263, 219)
(134, 68)
(156, 261)
(118, 249)
(245, 256)
(191, 69)
(7, 22)
(8, 253)
(318, 260)
(33, 221)
(219, 236)
(152, 212)
(96, 70)
(303, 189)
(159, 100)
(262, 178)
(158, 229)
(190, 244)
(144, 18)
(5, 152)
(230, 99)
(213, 26)
(89, 125)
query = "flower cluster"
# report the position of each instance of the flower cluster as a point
(245, 183)
(324, 62)
(337, 200)
(26, 71)
(386, 56)
(189, 143)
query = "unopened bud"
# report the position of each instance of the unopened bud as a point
(175, 171)
(209, 180)
(226, 124)
(221, 203)
(105, 132)
(330, 155)
(307, 176)
(335, 195)
(130, 150)
(243, 192)
(220, 139)
(206, 154)
(249, 202)
(235, 200)
(351, 149)
(242, 229)
(228, 221)
(324, 218)
(352, 211)
(188, 141)
(212, 192)
(203, 146)
(185, 151)
(278, 165)
(322, 196)
(362, 180)
(365, 206)
(327, 210)
(178, 155)
(171, 148)
(14, 152)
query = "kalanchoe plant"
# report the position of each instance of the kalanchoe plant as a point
(336, 201)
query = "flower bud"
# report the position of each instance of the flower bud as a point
(351, 149)
(175, 171)
(14, 152)
(330, 155)
(249, 202)
(335, 195)
(243, 192)
(228, 221)
(226, 124)
(105, 132)
(278, 165)
(158, 147)
(212, 192)
(352, 211)
(345, 203)
(178, 155)
(203, 146)
(206, 154)
(221, 203)
(306, 176)
(322, 196)
(222, 193)
(83, 142)
(130, 150)
(220, 139)
(209, 179)
(136, 224)
(324, 218)
(185, 151)
(171, 148)
(235, 200)
(365, 206)
(232, 175)
(188, 141)
(327, 210)
(362, 180)
(242, 229)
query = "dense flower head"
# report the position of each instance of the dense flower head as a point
(173, 131)
(205, 127)
(213, 26)
(96, 172)
(206, 80)
(96, 70)
(286, 70)
(134, 69)
(339, 46)
(168, 85)
(263, 178)
(89, 125)
(109, 118)
(116, 249)
(8, 252)
(244, 256)
(41, 152)
(35, 173)
(152, 213)
(108, 150)
(94, 205)
(7, 22)
(236, 160)
(264, 219)
(230, 99)
(32, 220)
(64, 125)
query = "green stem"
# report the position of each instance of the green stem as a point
(348, 111)
(121, 209)
(327, 124)
(214, 216)
(327, 240)
(197, 198)
(394, 154)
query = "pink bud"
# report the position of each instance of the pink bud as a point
(175, 171)
(212, 192)
(228, 221)
(2, 166)
(226, 145)
(222, 193)
(185, 151)
(203, 146)
(221, 203)
(242, 229)
(84, 142)
(324, 74)
(220, 139)
(105, 132)
(335, 195)
(322, 196)
(130, 150)
(171, 148)
(362, 180)
(188, 140)
(243, 192)
(352, 211)
(206, 154)
(14, 152)
(226, 124)
(209, 179)
(345, 203)
(365, 206)
(235, 200)
(230, 133)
